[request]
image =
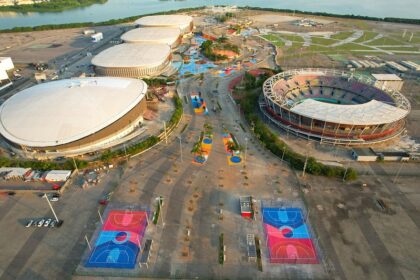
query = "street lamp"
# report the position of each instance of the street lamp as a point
(49, 203)
(246, 148)
(180, 146)
(164, 130)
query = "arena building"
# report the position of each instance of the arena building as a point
(159, 35)
(334, 107)
(183, 22)
(133, 60)
(73, 116)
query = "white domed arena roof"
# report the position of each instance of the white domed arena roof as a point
(163, 35)
(132, 55)
(64, 111)
(180, 21)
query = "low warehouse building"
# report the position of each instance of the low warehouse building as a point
(363, 154)
(133, 60)
(57, 175)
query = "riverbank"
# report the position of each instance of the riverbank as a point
(92, 24)
(51, 6)
(132, 18)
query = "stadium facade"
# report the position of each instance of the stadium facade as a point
(133, 60)
(335, 107)
(157, 35)
(73, 116)
(183, 22)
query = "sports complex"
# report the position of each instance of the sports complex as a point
(119, 241)
(73, 116)
(133, 60)
(161, 35)
(182, 22)
(289, 238)
(333, 106)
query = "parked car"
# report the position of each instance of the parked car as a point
(53, 223)
(30, 223)
(47, 222)
(106, 198)
(40, 222)
(56, 187)
(54, 197)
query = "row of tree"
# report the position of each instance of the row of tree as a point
(42, 165)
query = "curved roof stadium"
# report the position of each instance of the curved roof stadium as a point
(183, 22)
(63, 112)
(334, 106)
(161, 35)
(133, 60)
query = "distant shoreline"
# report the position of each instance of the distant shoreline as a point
(46, 7)
(132, 18)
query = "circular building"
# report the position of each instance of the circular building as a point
(73, 116)
(184, 23)
(133, 60)
(158, 35)
(334, 107)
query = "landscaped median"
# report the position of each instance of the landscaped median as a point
(272, 142)
(151, 140)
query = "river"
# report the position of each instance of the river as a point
(115, 9)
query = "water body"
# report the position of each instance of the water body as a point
(115, 9)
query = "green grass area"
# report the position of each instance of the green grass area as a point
(275, 40)
(270, 37)
(342, 35)
(316, 48)
(385, 41)
(367, 35)
(414, 40)
(291, 37)
(352, 47)
(402, 48)
(322, 41)
(295, 47)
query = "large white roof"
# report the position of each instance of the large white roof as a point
(370, 113)
(180, 21)
(64, 111)
(132, 55)
(164, 35)
(386, 77)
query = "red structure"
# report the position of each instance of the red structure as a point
(246, 206)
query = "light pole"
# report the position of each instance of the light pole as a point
(75, 165)
(125, 151)
(246, 149)
(164, 131)
(304, 166)
(284, 151)
(180, 146)
(49, 203)
(398, 173)
(345, 173)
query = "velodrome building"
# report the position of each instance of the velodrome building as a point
(182, 22)
(334, 107)
(73, 116)
(133, 60)
(156, 35)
